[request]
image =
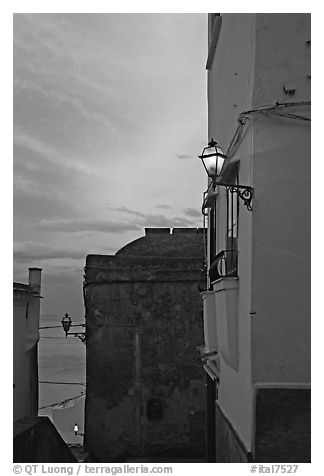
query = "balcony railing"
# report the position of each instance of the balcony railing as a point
(224, 265)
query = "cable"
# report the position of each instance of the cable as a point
(51, 337)
(64, 401)
(266, 109)
(57, 327)
(235, 142)
(292, 116)
(50, 327)
(63, 383)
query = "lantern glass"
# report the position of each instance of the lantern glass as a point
(213, 159)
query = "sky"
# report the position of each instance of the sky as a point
(109, 115)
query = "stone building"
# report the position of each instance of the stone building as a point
(145, 384)
(257, 307)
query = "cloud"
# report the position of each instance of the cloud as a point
(192, 212)
(74, 104)
(84, 105)
(82, 225)
(138, 221)
(32, 203)
(155, 220)
(164, 206)
(163, 221)
(26, 186)
(184, 156)
(51, 154)
(128, 211)
(31, 251)
(58, 77)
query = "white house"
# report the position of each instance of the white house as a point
(257, 303)
(26, 311)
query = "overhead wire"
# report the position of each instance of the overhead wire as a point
(62, 402)
(62, 383)
(51, 337)
(273, 109)
(50, 327)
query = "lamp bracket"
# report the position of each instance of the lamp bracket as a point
(244, 192)
(80, 335)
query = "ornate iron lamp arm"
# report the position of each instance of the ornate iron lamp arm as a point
(244, 192)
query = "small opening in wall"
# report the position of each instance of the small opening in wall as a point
(154, 409)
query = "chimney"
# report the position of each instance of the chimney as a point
(33, 314)
(34, 280)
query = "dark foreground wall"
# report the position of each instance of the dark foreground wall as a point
(283, 429)
(36, 440)
(145, 384)
(283, 425)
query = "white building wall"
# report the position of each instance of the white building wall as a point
(21, 391)
(258, 57)
(230, 91)
(281, 209)
(26, 312)
(32, 323)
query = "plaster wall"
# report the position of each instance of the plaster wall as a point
(230, 91)
(281, 207)
(26, 311)
(21, 392)
(32, 322)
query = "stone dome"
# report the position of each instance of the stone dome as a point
(176, 242)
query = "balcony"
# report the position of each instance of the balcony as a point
(224, 278)
(224, 265)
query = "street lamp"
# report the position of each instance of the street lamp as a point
(67, 324)
(213, 159)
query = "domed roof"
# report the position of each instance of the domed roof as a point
(179, 242)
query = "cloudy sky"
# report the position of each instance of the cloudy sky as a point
(109, 116)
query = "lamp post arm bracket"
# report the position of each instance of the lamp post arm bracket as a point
(245, 192)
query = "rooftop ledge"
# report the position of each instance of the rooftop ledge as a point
(171, 231)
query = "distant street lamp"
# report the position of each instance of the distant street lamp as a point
(76, 430)
(67, 324)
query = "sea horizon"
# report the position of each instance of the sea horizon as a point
(62, 377)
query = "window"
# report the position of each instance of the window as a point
(224, 263)
(232, 217)
(212, 233)
(232, 230)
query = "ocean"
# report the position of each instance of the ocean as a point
(61, 364)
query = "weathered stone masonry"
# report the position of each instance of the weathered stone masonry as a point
(145, 385)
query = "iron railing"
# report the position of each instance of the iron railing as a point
(224, 265)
